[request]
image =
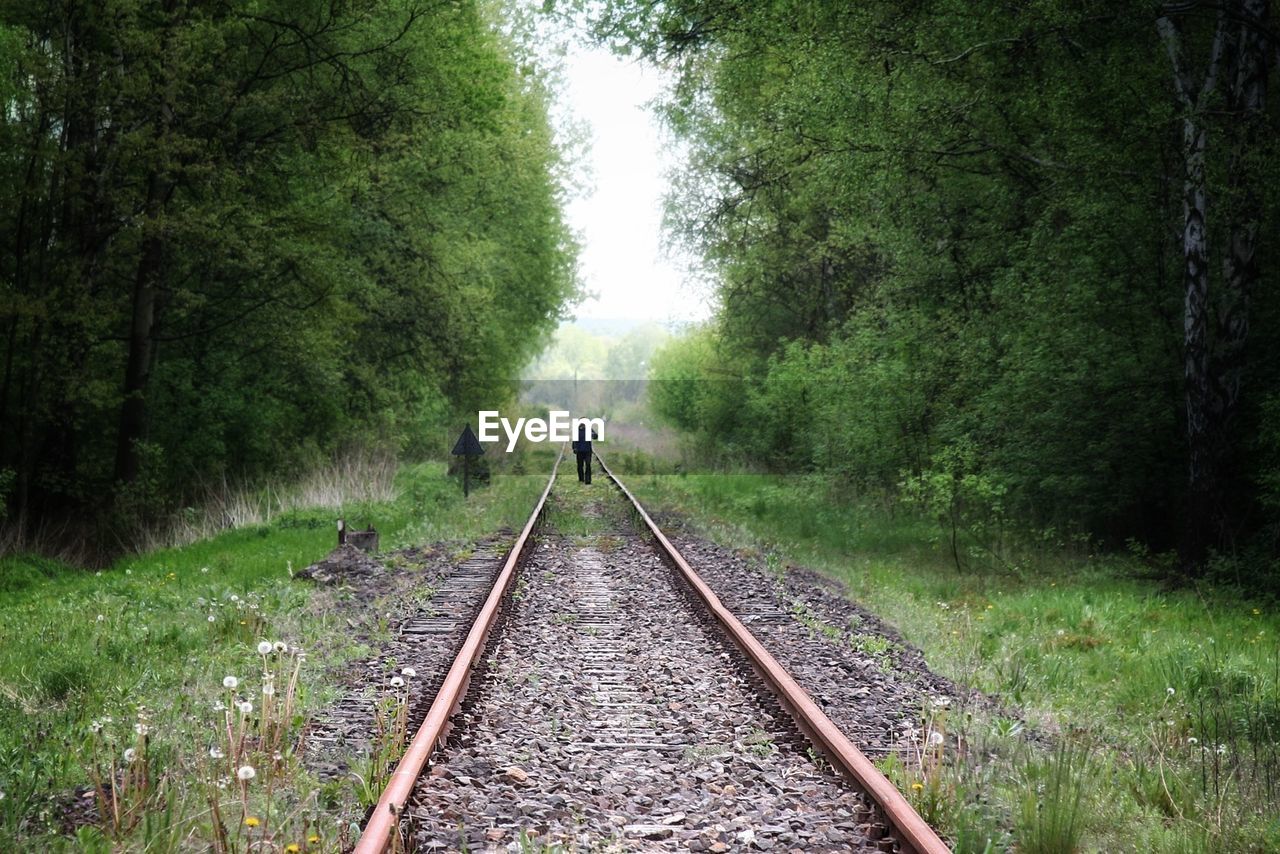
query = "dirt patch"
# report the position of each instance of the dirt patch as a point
(343, 564)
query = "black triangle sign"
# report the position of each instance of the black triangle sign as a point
(467, 445)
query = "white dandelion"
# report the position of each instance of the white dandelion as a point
(211, 618)
(246, 773)
(130, 754)
(141, 729)
(397, 682)
(245, 707)
(1170, 691)
(408, 672)
(230, 682)
(215, 752)
(101, 618)
(935, 738)
(264, 648)
(268, 690)
(280, 647)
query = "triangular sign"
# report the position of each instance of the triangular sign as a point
(467, 445)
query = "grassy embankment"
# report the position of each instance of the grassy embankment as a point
(139, 652)
(1162, 708)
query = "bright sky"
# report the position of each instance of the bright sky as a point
(619, 217)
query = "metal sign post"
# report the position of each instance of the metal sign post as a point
(467, 446)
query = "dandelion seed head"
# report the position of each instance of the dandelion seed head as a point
(130, 754)
(141, 729)
(408, 672)
(230, 682)
(268, 690)
(280, 647)
(245, 773)
(101, 618)
(397, 682)
(245, 707)
(1170, 691)
(1193, 740)
(935, 738)
(215, 752)
(211, 618)
(264, 648)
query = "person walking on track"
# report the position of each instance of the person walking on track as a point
(582, 449)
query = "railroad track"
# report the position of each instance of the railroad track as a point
(620, 706)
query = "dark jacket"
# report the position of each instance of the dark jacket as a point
(582, 445)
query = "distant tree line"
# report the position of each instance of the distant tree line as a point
(1017, 256)
(239, 235)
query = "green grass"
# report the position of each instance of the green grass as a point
(161, 631)
(1168, 700)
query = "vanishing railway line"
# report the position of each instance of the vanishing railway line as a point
(619, 705)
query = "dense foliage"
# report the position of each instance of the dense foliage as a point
(1016, 259)
(238, 235)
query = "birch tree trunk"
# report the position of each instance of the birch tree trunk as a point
(1200, 399)
(1214, 366)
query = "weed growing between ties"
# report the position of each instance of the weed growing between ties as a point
(390, 734)
(142, 649)
(1138, 717)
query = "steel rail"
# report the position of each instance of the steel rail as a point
(385, 819)
(912, 830)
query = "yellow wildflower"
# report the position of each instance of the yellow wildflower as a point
(252, 821)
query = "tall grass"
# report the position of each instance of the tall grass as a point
(357, 477)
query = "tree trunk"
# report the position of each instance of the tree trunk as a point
(1246, 96)
(147, 282)
(133, 411)
(1200, 396)
(1198, 392)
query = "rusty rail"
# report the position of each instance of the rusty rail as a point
(383, 825)
(911, 829)
(385, 819)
